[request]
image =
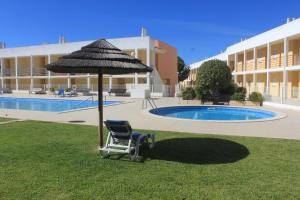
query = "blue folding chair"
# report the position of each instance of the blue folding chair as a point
(121, 139)
(61, 92)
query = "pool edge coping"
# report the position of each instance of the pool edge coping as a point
(279, 115)
(93, 107)
(62, 112)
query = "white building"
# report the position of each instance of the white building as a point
(23, 68)
(268, 63)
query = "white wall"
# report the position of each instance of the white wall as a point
(278, 33)
(54, 49)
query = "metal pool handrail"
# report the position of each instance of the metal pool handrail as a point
(85, 101)
(150, 101)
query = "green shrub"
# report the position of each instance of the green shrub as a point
(230, 89)
(256, 97)
(52, 89)
(188, 94)
(241, 90)
(68, 90)
(213, 79)
(240, 94)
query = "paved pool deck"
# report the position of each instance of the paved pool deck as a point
(131, 109)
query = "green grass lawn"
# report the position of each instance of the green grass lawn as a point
(60, 161)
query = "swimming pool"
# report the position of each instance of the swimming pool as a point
(49, 105)
(210, 113)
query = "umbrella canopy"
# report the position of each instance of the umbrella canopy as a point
(99, 57)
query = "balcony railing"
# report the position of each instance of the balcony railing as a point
(249, 65)
(9, 72)
(24, 72)
(239, 66)
(261, 63)
(293, 59)
(9, 86)
(24, 86)
(40, 72)
(276, 61)
(295, 92)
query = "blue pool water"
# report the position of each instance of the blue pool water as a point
(48, 105)
(213, 113)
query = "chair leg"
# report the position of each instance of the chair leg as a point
(135, 157)
(152, 137)
(106, 154)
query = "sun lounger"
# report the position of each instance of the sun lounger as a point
(118, 92)
(72, 93)
(7, 91)
(121, 139)
(84, 91)
(37, 91)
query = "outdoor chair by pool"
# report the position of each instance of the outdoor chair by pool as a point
(71, 93)
(7, 91)
(122, 139)
(60, 93)
(37, 91)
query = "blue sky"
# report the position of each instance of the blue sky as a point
(198, 29)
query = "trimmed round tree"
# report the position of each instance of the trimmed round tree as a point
(213, 79)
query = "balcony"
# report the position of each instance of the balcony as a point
(249, 65)
(239, 67)
(276, 60)
(295, 92)
(40, 72)
(261, 63)
(24, 71)
(24, 86)
(293, 59)
(9, 72)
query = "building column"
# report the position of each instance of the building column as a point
(254, 70)
(16, 69)
(88, 81)
(110, 82)
(228, 61)
(1, 72)
(148, 63)
(49, 73)
(268, 68)
(285, 72)
(254, 82)
(235, 78)
(31, 73)
(136, 54)
(235, 68)
(69, 81)
(244, 70)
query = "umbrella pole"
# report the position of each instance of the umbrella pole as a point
(100, 108)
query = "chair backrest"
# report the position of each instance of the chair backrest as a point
(61, 91)
(119, 129)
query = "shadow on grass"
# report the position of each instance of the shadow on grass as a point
(199, 151)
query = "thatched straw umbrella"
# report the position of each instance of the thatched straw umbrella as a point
(99, 57)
